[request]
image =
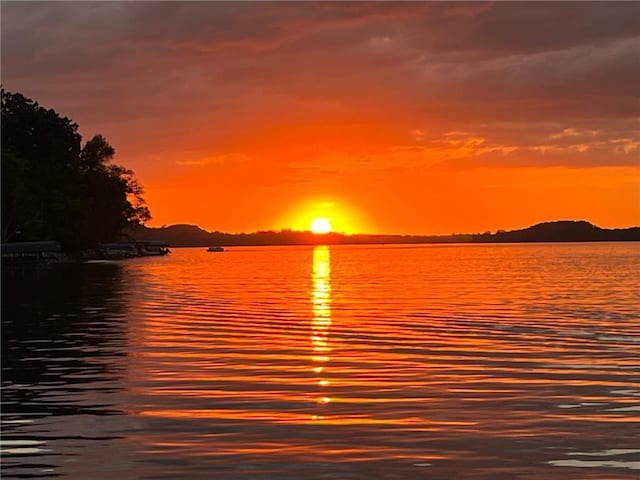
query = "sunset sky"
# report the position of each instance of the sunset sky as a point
(396, 117)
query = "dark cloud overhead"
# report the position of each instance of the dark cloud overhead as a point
(241, 66)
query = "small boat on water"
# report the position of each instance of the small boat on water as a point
(215, 249)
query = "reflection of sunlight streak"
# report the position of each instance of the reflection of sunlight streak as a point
(321, 300)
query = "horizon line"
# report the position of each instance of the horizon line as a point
(291, 230)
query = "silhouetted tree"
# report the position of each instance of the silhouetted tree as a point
(52, 188)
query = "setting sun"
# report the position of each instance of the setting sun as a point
(320, 225)
(340, 216)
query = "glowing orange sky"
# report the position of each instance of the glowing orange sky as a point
(383, 117)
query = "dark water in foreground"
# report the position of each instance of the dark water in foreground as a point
(368, 362)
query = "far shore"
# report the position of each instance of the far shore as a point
(145, 241)
(560, 231)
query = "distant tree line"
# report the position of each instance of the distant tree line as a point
(54, 187)
(561, 231)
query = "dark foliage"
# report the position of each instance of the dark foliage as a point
(53, 188)
(564, 231)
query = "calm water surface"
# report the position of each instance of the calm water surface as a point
(349, 362)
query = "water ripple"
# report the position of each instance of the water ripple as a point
(476, 361)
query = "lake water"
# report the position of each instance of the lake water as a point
(341, 362)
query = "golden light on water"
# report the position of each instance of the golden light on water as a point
(258, 348)
(321, 301)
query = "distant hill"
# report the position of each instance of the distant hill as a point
(561, 231)
(564, 231)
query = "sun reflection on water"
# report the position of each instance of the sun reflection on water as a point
(321, 301)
